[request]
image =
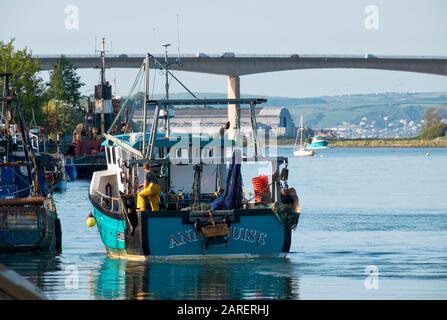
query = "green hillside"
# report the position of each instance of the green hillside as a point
(329, 111)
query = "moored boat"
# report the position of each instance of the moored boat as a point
(70, 169)
(301, 150)
(318, 142)
(28, 216)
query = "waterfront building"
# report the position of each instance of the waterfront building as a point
(277, 119)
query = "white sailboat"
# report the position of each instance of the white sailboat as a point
(300, 150)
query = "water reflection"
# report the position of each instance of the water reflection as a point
(34, 266)
(211, 279)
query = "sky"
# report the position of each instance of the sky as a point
(394, 27)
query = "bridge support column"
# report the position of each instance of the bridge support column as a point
(234, 92)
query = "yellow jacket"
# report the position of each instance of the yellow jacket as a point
(152, 191)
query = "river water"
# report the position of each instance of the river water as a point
(373, 226)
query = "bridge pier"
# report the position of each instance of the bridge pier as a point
(234, 92)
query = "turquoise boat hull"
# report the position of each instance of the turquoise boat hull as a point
(317, 145)
(171, 235)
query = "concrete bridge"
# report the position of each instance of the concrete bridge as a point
(233, 66)
(239, 65)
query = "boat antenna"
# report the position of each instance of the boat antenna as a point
(166, 45)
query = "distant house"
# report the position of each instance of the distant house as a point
(277, 119)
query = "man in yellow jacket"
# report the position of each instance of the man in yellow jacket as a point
(150, 192)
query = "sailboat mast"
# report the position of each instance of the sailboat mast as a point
(301, 130)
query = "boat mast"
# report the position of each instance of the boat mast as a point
(301, 131)
(6, 100)
(9, 98)
(166, 107)
(103, 87)
(146, 98)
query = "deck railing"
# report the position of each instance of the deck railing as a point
(107, 202)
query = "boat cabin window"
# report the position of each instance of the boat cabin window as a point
(114, 155)
(108, 155)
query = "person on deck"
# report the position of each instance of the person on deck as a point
(150, 193)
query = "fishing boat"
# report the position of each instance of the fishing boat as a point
(203, 210)
(55, 176)
(318, 142)
(61, 176)
(70, 169)
(28, 216)
(86, 154)
(301, 150)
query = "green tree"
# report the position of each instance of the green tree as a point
(25, 80)
(63, 110)
(60, 117)
(433, 125)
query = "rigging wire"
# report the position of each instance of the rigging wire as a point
(123, 105)
(132, 109)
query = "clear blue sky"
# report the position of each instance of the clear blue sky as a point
(242, 26)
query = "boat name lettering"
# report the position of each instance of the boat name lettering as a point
(236, 233)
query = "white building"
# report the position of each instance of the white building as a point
(210, 120)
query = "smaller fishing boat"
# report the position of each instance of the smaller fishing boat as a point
(56, 178)
(61, 184)
(28, 216)
(70, 169)
(301, 150)
(318, 142)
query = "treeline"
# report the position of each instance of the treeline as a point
(434, 126)
(54, 105)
